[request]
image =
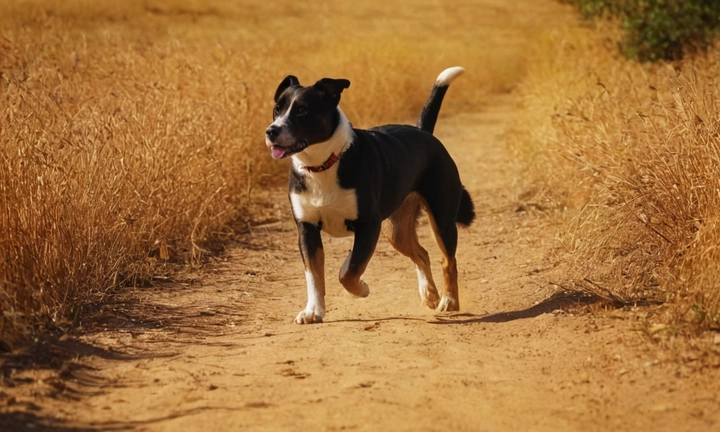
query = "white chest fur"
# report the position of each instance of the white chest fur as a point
(325, 203)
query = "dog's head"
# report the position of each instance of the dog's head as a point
(303, 116)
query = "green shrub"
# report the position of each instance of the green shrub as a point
(659, 29)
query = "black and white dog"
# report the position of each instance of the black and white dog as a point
(348, 181)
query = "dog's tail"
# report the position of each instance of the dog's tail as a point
(429, 114)
(466, 212)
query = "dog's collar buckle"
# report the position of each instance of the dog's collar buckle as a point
(325, 166)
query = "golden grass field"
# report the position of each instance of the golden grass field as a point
(132, 132)
(132, 136)
(629, 153)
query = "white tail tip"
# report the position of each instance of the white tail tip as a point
(448, 76)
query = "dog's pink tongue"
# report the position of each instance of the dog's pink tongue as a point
(277, 152)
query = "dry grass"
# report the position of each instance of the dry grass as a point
(131, 132)
(632, 151)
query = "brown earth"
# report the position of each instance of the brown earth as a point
(223, 352)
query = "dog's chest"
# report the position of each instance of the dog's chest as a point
(324, 203)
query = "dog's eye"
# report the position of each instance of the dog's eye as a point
(276, 111)
(301, 110)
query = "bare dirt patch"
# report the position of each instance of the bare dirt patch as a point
(223, 353)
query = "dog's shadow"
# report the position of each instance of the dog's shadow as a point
(559, 300)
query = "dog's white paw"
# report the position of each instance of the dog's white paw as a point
(448, 304)
(309, 317)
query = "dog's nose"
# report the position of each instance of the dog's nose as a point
(272, 132)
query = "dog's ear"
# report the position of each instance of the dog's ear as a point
(290, 80)
(331, 88)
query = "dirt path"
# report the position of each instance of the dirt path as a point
(224, 354)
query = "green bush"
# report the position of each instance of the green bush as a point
(659, 29)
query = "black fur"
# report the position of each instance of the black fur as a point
(387, 163)
(428, 116)
(331, 88)
(466, 212)
(312, 112)
(309, 241)
(289, 80)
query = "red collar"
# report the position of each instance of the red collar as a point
(325, 166)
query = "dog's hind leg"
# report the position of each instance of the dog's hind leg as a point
(400, 230)
(446, 234)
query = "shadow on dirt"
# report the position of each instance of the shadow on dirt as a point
(122, 319)
(558, 301)
(51, 368)
(158, 310)
(26, 421)
(58, 356)
(52, 365)
(18, 421)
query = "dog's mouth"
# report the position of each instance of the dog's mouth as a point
(279, 152)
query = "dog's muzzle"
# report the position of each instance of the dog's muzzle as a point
(279, 152)
(277, 149)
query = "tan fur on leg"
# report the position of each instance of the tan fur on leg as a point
(400, 230)
(450, 300)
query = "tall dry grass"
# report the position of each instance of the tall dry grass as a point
(131, 132)
(632, 152)
(115, 152)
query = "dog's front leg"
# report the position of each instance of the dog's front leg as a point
(366, 238)
(313, 257)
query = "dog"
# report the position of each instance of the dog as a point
(348, 181)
